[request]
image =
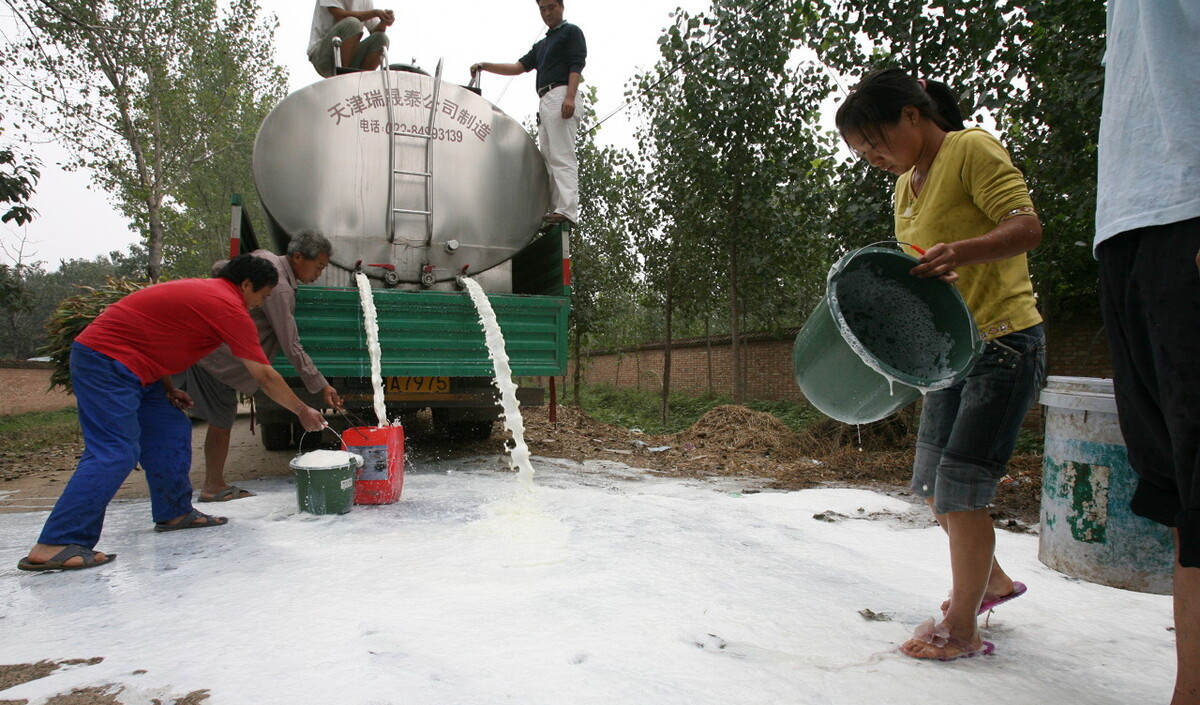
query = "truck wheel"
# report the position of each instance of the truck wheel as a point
(276, 436)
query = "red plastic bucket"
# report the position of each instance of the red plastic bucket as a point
(381, 477)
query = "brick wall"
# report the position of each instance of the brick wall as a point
(25, 386)
(1076, 347)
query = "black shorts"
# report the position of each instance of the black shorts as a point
(1150, 298)
(214, 401)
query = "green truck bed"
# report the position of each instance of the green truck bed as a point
(423, 334)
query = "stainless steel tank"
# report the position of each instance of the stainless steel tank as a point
(321, 164)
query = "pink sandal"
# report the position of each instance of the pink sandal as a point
(989, 605)
(938, 636)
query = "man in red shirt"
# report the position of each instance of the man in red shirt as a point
(131, 414)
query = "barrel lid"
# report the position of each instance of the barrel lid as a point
(1079, 394)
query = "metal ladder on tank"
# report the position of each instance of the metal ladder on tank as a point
(426, 174)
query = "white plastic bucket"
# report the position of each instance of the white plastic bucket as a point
(1088, 530)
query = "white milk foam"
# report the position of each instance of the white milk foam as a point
(894, 326)
(519, 453)
(325, 459)
(371, 324)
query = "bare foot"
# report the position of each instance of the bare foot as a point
(953, 649)
(938, 642)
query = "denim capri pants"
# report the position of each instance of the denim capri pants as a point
(968, 431)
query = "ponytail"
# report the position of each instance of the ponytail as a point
(877, 101)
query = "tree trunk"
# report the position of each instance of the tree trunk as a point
(155, 245)
(578, 372)
(666, 375)
(735, 348)
(637, 367)
(708, 355)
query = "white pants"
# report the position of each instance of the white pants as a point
(556, 140)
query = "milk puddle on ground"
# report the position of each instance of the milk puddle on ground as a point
(503, 381)
(600, 584)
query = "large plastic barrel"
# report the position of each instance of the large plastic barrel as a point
(381, 477)
(1088, 530)
(880, 337)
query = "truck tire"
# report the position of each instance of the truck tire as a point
(276, 436)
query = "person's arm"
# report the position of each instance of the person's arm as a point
(999, 190)
(273, 384)
(278, 308)
(1011, 237)
(576, 60)
(513, 69)
(568, 104)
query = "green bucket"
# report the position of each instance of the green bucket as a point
(881, 337)
(325, 486)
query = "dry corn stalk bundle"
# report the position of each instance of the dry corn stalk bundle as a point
(734, 427)
(72, 315)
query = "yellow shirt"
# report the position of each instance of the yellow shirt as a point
(970, 187)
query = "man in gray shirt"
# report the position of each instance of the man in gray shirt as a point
(215, 381)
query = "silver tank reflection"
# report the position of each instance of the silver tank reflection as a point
(321, 164)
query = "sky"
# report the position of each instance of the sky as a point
(76, 221)
(596, 584)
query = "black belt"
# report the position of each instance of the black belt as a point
(548, 87)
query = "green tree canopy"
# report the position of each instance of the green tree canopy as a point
(160, 99)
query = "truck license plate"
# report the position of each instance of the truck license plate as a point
(416, 385)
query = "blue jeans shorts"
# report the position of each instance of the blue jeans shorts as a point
(968, 431)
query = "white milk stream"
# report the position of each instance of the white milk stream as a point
(513, 421)
(371, 324)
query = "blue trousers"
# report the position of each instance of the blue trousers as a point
(124, 424)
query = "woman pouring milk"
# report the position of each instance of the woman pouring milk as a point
(960, 200)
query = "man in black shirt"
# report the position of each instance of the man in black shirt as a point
(559, 58)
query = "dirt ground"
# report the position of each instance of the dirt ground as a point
(727, 441)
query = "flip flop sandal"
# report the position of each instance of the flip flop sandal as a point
(60, 558)
(939, 637)
(228, 494)
(191, 520)
(1019, 589)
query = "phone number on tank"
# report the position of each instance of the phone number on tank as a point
(438, 133)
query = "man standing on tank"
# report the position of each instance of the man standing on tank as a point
(559, 58)
(346, 19)
(1148, 244)
(215, 381)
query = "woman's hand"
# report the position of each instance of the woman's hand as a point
(938, 261)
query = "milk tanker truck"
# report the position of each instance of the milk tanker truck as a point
(416, 182)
